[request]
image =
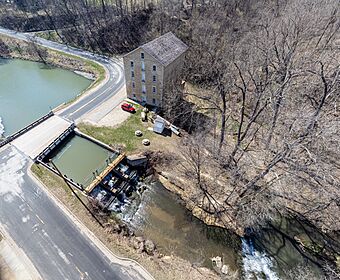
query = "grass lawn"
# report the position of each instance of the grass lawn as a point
(50, 180)
(124, 134)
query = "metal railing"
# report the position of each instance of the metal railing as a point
(56, 142)
(10, 138)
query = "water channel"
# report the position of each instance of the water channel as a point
(28, 89)
(78, 158)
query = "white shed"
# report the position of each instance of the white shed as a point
(159, 125)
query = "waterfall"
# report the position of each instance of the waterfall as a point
(127, 209)
(138, 217)
(256, 263)
(2, 128)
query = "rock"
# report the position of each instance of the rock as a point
(166, 258)
(138, 245)
(149, 247)
(135, 244)
(116, 228)
(225, 269)
(140, 239)
(131, 232)
(217, 262)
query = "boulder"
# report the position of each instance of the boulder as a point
(217, 262)
(166, 258)
(135, 244)
(140, 239)
(116, 228)
(149, 247)
(225, 269)
(138, 244)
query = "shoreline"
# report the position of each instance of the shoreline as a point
(86, 68)
(119, 241)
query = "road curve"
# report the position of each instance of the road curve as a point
(57, 247)
(107, 89)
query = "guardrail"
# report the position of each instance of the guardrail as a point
(69, 180)
(10, 138)
(56, 142)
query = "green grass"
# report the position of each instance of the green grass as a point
(49, 35)
(123, 135)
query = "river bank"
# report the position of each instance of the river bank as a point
(121, 241)
(166, 160)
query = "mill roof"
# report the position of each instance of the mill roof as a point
(165, 48)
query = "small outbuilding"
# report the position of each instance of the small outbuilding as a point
(159, 125)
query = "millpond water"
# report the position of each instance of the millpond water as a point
(80, 159)
(29, 90)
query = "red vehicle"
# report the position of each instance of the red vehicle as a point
(128, 108)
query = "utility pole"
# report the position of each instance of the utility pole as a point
(76, 195)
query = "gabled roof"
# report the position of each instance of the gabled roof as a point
(165, 48)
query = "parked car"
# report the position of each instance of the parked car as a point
(128, 108)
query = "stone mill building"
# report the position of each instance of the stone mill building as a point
(153, 67)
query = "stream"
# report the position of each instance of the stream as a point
(160, 216)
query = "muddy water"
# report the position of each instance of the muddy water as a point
(78, 158)
(158, 215)
(161, 218)
(170, 225)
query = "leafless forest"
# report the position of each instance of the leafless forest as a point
(264, 119)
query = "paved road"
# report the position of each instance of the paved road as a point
(49, 238)
(56, 247)
(113, 67)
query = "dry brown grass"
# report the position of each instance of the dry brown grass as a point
(168, 268)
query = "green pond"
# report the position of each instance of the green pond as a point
(78, 158)
(29, 90)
